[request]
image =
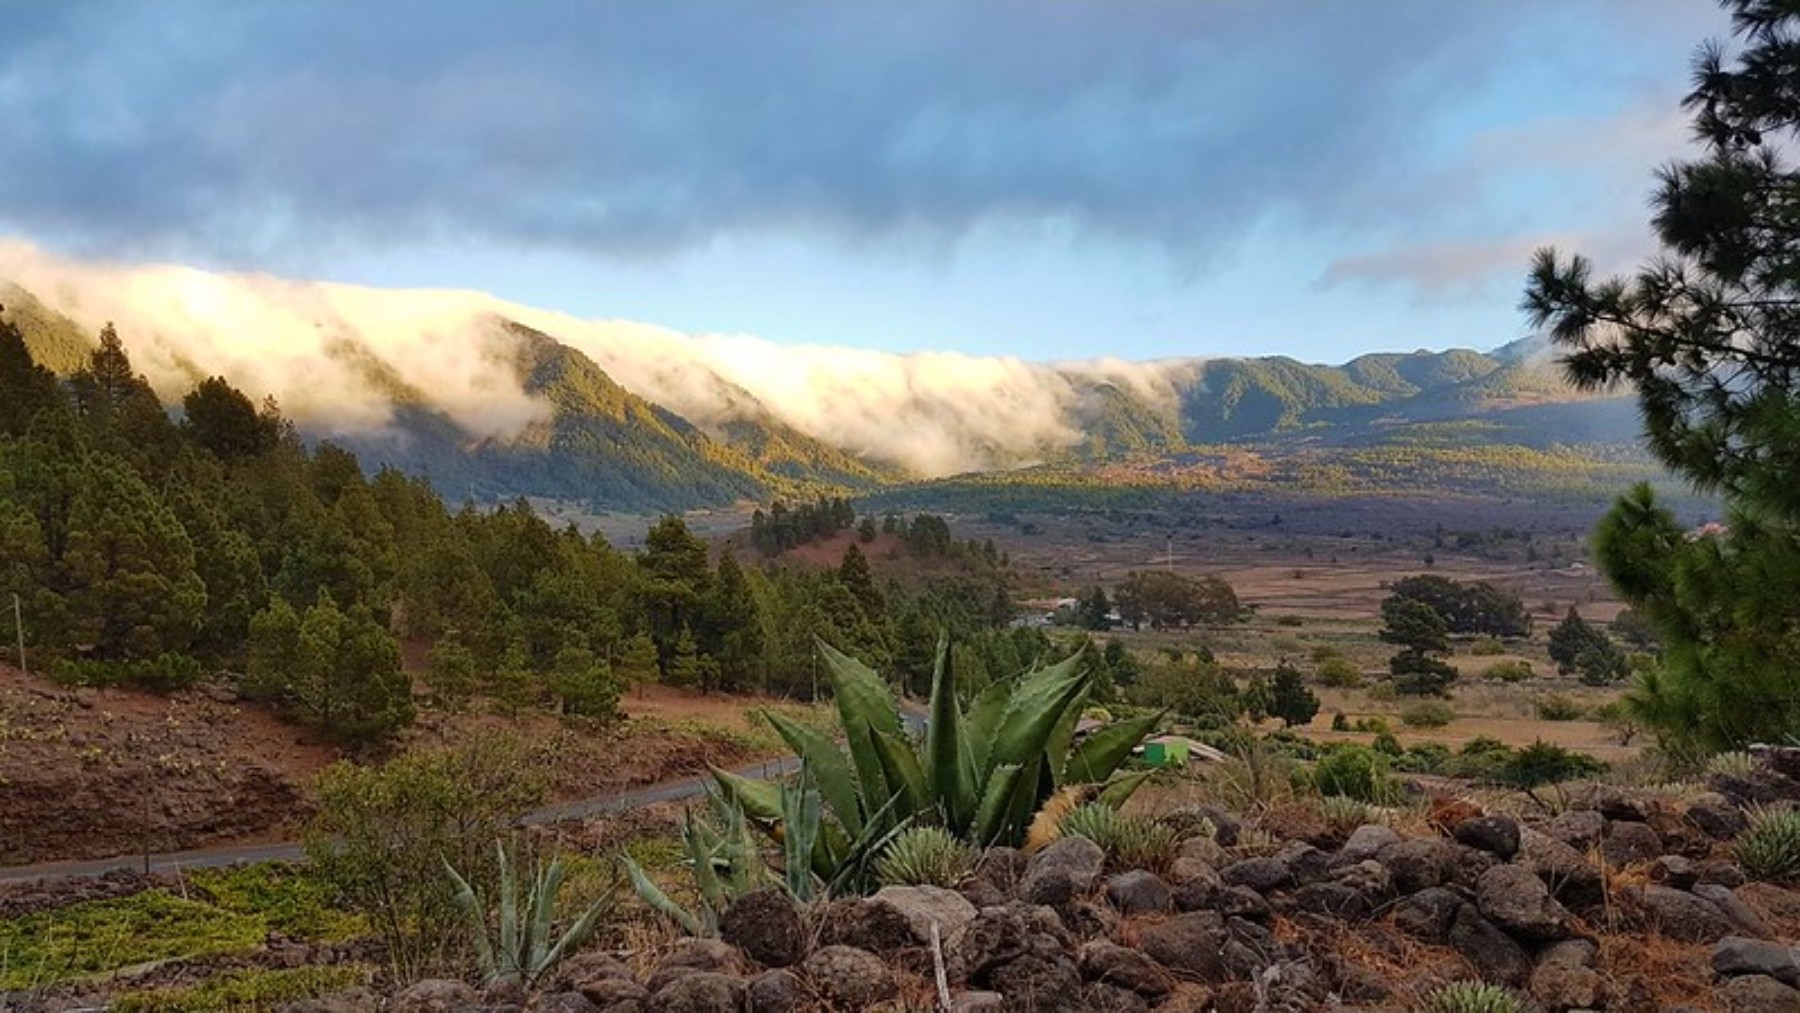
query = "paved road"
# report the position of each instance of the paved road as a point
(290, 851)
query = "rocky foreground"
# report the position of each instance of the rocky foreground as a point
(1621, 901)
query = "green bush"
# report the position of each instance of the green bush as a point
(1427, 715)
(1511, 670)
(1557, 707)
(1543, 763)
(1340, 723)
(165, 673)
(1356, 772)
(924, 856)
(382, 834)
(1486, 647)
(1470, 997)
(1770, 848)
(1338, 672)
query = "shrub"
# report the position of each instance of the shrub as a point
(1557, 707)
(1342, 814)
(1427, 715)
(1543, 763)
(1340, 723)
(164, 673)
(1770, 848)
(1511, 670)
(1470, 997)
(1486, 647)
(1356, 772)
(95, 937)
(1736, 763)
(292, 900)
(1338, 672)
(382, 835)
(1130, 842)
(1289, 620)
(1385, 742)
(924, 856)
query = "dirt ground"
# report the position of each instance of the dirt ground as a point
(88, 773)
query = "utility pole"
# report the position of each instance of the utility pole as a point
(19, 625)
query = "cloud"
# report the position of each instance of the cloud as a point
(311, 345)
(262, 134)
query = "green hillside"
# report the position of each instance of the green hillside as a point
(55, 341)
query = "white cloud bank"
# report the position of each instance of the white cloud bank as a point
(932, 413)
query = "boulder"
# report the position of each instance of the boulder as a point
(1103, 998)
(1068, 867)
(1259, 874)
(1580, 829)
(1566, 871)
(1047, 982)
(608, 993)
(1735, 955)
(589, 966)
(1366, 842)
(1138, 892)
(1742, 915)
(1188, 944)
(1513, 898)
(1108, 962)
(849, 976)
(1494, 954)
(923, 906)
(1242, 902)
(1564, 977)
(1428, 914)
(699, 992)
(434, 995)
(1496, 833)
(1203, 849)
(978, 1002)
(1416, 864)
(866, 924)
(1305, 863)
(1714, 815)
(1681, 915)
(690, 955)
(1187, 870)
(777, 991)
(1003, 867)
(998, 935)
(1627, 843)
(766, 926)
(1722, 872)
(1758, 993)
(573, 1002)
(1674, 870)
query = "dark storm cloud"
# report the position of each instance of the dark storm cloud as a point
(240, 131)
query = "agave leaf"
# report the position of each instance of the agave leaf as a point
(900, 767)
(980, 727)
(575, 935)
(801, 813)
(759, 799)
(853, 862)
(1056, 747)
(509, 912)
(1098, 755)
(1120, 788)
(543, 911)
(949, 772)
(470, 903)
(990, 816)
(825, 762)
(1038, 704)
(1032, 791)
(863, 701)
(653, 895)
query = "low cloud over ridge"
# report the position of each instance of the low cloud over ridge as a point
(338, 356)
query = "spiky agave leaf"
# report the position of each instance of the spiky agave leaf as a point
(474, 912)
(949, 761)
(900, 768)
(653, 895)
(1096, 757)
(863, 701)
(825, 761)
(1038, 704)
(759, 799)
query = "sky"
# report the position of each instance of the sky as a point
(1049, 179)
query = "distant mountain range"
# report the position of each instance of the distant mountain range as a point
(527, 410)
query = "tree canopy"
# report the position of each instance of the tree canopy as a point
(1708, 336)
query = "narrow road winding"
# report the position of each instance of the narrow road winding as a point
(291, 851)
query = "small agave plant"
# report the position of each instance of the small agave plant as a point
(524, 946)
(982, 770)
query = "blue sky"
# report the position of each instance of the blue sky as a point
(1052, 180)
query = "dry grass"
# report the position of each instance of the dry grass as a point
(1670, 971)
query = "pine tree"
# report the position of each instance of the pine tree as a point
(637, 661)
(854, 573)
(1290, 699)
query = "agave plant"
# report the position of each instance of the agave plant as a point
(925, 856)
(1770, 848)
(1470, 997)
(524, 946)
(980, 771)
(724, 860)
